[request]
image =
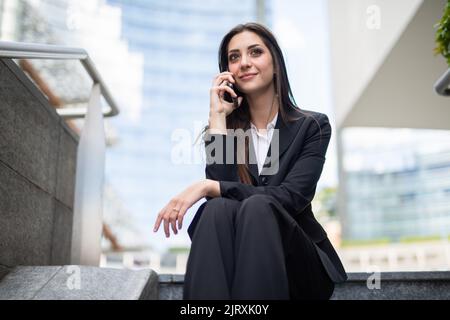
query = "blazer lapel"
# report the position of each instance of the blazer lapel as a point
(253, 167)
(286, 133)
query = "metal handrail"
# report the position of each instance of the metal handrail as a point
(442, 85)
(19, 50)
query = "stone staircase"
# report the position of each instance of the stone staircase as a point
(392, 286)
(92, 283)
(78, 283)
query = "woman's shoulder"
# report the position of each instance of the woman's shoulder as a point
(308, 116)
(314, 115)
(310, 123)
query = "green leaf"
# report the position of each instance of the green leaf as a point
(442, 37)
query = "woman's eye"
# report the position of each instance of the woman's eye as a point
(254, 52)
(257, 52)
(232, 57)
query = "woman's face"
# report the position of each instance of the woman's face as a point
(251, 62)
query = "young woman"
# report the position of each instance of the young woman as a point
(256, 236)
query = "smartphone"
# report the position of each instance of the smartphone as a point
(227, 96)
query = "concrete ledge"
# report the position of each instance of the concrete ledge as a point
(78, 283)
(3, 271)
(171, 286)
(26, 220)
(37, 174)
(393, 286)
(91, 283)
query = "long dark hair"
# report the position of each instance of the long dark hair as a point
(240, 118)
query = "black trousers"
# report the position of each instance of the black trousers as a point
(252, 249)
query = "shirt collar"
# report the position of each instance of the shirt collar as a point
(270, 125)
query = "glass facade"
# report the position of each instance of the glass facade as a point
(399, 187)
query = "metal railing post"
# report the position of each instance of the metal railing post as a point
(88, 201)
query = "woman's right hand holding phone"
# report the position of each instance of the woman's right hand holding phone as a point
(219, 108)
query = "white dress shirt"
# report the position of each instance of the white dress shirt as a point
(261, 141)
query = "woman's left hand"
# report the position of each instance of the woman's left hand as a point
(176, 208)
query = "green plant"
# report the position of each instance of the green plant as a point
(362, 242)
(326, 200)
(414, 239)
(176, 250)
(443, 34)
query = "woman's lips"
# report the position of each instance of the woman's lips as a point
(248, 77)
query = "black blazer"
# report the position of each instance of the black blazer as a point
(302, 147)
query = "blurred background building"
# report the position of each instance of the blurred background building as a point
(399, 188)
(392, 134)
(384, 194)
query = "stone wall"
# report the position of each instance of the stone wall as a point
(37, 175)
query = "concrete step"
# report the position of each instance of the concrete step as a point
(170, 286)
(359, 286)
(78, 283)
(93, 283)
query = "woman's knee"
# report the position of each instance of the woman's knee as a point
(217, 209)
(215, 203)
(257, 207)
(258, 201)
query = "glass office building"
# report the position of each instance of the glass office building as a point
(397, 184)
